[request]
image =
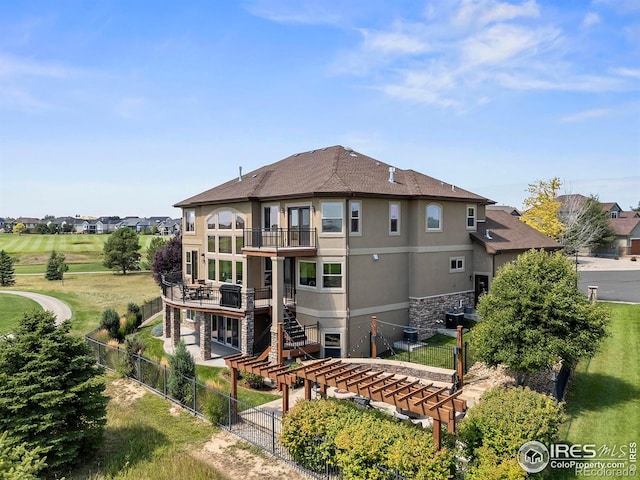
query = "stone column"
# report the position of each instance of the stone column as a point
(277, 304)
(175, 327)
(247, 325)
(166, 324)
(205, 335)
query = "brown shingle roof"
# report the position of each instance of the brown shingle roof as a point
(330, 171)
(624, 226)
(508, 232)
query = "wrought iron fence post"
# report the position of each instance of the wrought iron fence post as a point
(99, 354)
(139, 368)
(230, 399)
(273, 433)
(195, 394)
(164, 384)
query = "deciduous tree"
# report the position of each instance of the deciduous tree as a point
(587, 225)
(7, 272)
(56, 266)
(51, 395)
(168, 259)
(156, 244)
(121, 250)
(534, 315)
(541, 208)
(19, 228)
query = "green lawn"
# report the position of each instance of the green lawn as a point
(144, 440)
(69, 243)
(13, 308)
(603, 401)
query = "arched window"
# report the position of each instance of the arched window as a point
(434, 217)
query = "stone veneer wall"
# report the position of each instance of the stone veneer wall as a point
(247, 327)
(273, 354)
(427, 314)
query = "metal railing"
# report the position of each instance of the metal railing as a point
(280, 238)
(258, 426)
(310, 334)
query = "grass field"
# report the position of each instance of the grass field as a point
(13, 308)
(144, 440)
(83, 252)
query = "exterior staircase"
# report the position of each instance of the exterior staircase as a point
(293, 331)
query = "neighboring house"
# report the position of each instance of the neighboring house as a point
(170, 227)
(129, 222)
(612, 208)
(6, 225)
(499, 240)
(321, 241)
(505, 208)
(627, 229)
(29, 223)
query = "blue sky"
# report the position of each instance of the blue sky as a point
(125, 108)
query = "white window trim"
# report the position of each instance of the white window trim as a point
(331, 289)
(457, 269)
(332, 332)
(332, 234)
(185, 216)
(214, 217)
(305, 287)
(357, 233)
(277, 207)
(399, 218)
(426, 217)
(467, 217)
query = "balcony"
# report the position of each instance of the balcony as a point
(295, 242)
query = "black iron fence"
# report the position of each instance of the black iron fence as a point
(258, 426)
(149, 308)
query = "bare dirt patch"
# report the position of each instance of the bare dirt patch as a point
(125, 392)
(237, 459)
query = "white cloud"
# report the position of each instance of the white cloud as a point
(591, 19)
(16, 66)
(301, 12)
(628, 72)
(16, 98)
(484, 12)
(393, 42)
(586, 115)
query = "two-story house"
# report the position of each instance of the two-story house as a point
(301, 253)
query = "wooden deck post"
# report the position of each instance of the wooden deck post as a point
(374, 334)
(307, 389)
(234, 393)
(280, 342)
(460, 362)
(284, 388)
(437, 437)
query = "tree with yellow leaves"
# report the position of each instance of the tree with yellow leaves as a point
(541, 208)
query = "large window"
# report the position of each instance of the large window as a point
(434, 217)
(332, 275)
(471, 217)
(271, 217)
(394, 218)
(225, 219)
(331, 217)
(225, 330)
(225, 244)
(211, 244)
(211, 270)
(268, 270)
(332, 345)
(307, 273)
(189, 220)
(354, 218)
(226, 272)
(239, 273)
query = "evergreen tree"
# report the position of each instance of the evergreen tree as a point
(7, 271)
(17, 462)
(182, 369)
(168, 259)
(110, 322)
(56, 266)
(51, 395)
(121, 250)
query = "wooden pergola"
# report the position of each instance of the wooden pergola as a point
(408, 395)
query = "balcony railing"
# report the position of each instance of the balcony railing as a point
(280, 238)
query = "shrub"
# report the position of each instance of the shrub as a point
(253, 380)
(134, 308)
(110, 322)
(505, 418)
(18, 462)
(216, 408)
(157, 330)
(489, 467)
(133, 346)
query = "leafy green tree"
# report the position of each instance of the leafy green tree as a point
(636, 209)
(534, 315)
(17, 462)
(587, 226)
(19, 228)
(182, 370)
(121, 250)
(42, 229)
(156, 243)
(51, 394)
(541, 208)
(7, 272)
(56, 266)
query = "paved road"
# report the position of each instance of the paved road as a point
(619, 286)
(59, 308)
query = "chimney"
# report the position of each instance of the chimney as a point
(392, 170)
(240, 174)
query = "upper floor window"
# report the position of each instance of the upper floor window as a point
(355, 218)
(189, 220)
(270, 220)
(434, 217)
(614, 214)
(188, 262)
(394, 218)
(332, 275)
(471, 217)
(331, 217)
(225, 218)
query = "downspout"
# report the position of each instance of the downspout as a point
(346, 268)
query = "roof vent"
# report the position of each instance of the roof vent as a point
(348, 149)
(239, 174)
(392, 171)
(453, 188)
(488, 234)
